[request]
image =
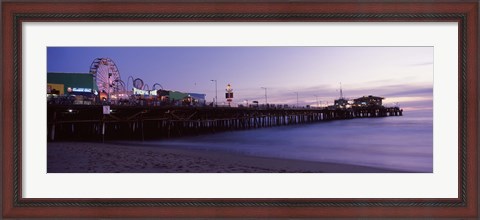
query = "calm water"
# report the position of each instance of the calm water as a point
(399, 143)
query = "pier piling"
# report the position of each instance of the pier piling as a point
(156, 122)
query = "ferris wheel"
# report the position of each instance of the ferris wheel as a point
(119, 85)
(106, 75)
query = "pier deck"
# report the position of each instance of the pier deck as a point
(87, 122)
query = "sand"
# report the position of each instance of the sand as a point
(85, 157)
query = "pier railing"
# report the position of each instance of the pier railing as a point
(88, 122)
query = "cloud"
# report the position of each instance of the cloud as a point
(413, 96)
(411, 91)
(422, 63)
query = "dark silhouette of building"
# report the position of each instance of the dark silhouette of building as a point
(368, 101)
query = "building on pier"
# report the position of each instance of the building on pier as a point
(368, 101)
(341, 102)
(198, 98)
(71, 88)
(66, 83)
(81, 88)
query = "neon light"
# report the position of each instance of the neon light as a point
(82, 90)
(144, 92)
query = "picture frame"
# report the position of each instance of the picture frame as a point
(465, 13)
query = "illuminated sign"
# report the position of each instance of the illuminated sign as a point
(144, 92)
(106, 109)
(82, 90)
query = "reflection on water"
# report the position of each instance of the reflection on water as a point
(400, 143)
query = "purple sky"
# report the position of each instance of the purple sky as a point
(400, 74)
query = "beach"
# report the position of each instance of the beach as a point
(90, 157)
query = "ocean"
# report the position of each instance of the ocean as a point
(402, 144)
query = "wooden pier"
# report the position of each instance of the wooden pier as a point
(87, 122)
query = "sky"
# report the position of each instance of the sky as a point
(400, 74)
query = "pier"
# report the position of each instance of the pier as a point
(88, 122)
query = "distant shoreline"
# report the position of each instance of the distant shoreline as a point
(117, 157)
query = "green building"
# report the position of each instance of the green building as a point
(175, 95)
(77, 82)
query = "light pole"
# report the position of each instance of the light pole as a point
(297, 98)
(109, 87)
(265, 95)
(316, 96)
(214, 80)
